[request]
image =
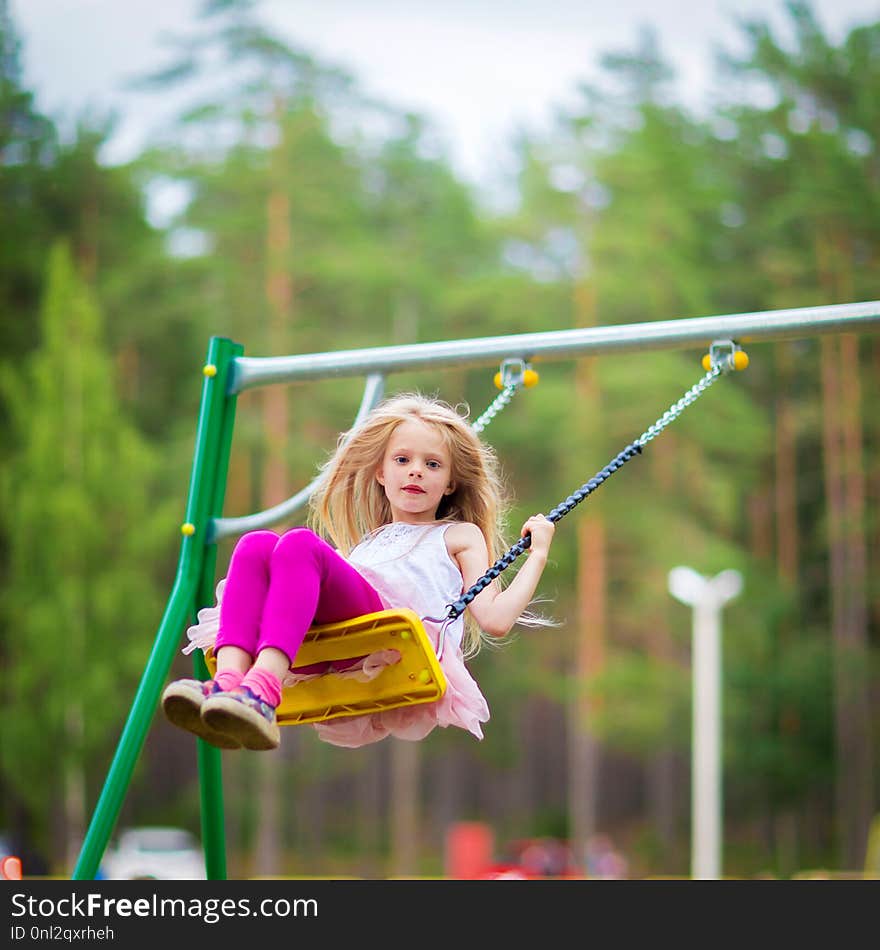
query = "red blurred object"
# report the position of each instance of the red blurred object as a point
(534, 859)
(10, 868)
(469, 847)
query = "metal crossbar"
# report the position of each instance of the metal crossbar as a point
(249, 371)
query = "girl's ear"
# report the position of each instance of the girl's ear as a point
(450, 488)
(380, 478)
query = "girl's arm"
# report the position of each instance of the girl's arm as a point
(495, 609)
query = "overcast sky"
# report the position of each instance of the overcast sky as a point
(479, 69)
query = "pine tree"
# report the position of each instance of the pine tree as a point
(79, 603)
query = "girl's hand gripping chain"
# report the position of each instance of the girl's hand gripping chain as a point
(541, 530)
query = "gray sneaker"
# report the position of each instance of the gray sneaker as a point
(244, 716)
(182, 703)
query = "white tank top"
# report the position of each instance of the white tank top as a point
(409, 566)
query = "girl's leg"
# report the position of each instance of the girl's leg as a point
(247, 584)
(309, 583)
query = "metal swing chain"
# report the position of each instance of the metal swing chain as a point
(719, 364)
(497, 404)
(511, 377)
(676, 409)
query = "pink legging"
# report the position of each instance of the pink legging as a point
(276, 587)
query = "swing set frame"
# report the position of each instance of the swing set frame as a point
(227, 372)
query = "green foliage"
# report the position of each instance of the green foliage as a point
(641, 705)
(80, 598)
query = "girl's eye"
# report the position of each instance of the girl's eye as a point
(433, 464)
(401, 459)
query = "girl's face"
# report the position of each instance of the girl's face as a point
(415, 472)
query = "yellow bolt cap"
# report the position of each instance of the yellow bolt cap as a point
(740, 359)
(187, 529)
(497, 380)
(424, 676)
(707, 362)
(209, 369)
(530, 378)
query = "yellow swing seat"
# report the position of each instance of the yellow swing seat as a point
(415, 678)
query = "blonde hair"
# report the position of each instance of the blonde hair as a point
(349, 501)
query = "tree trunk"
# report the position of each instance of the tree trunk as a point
(785, 832)
(845, 494)
(73, 757)
(845, 499)
(856, 594)
(661, 775)
(787, 541)
(75, 795)
(873, 484)
(404, 818)
(276, 485)
(589, 658)
(368, 809)
(583, 751)
(760, 524)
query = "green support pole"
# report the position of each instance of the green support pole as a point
(207, 484)
(209, 765)
(210, 796)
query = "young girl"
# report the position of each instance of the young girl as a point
(413, 505)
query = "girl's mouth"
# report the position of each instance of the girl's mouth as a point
(414, 489)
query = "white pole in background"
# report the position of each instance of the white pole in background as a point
(706, 596)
